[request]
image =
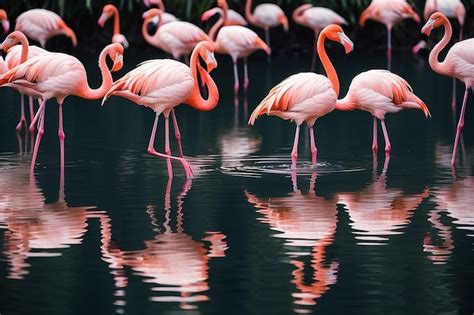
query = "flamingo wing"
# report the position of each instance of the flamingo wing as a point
(185, 32)
(460, 58)
(308, 94)
(239, 38)
(39, 20)
(155, 83)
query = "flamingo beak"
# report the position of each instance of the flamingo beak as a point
(104, 17)
(428, 27)
(346, 42)
(6, 25)
(211, 62)
(118, 63)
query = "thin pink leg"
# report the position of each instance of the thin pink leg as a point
(294, 152)
(38, 138)
(389, 48)
(152, 151)
(246, 76)
(32, 109)
(314, 150)
(388, 146)
(236, 78)
(374, 137)
(35, 119)
(177, 133)
(453, 99)
(460, 126)
(167, 135)
(61, 135)
(22, 115)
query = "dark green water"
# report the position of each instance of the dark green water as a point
(245, 236)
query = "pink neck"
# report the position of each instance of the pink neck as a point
(92, 94)
(248, 12)
(116, 21)
(219, 23)
(149, 38)
(437, 66)
(298, 15)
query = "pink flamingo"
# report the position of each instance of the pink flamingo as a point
(458, 63)
(306, 96)
(41, 24)
(4, 21)
(388, 13)
(233, 17)
(109, 11)
(178, 38)
(266, 15)
(162, 85)
(57, 75)
(17, 54)
(380, 92)
(450, 8)
(165, 16)
(236, 41)
(316, 18)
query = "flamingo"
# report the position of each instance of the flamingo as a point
(165, 16)
(178, 38)
(233, 17)
(450, 8)
(41, 24)
(236, 41)
(388, 13)
(266, 15)
(17, 54)
(316, 18)
(4, 21)
(163, 84)
(109, 11)
(380, 92)
(57, 75)
(458, 63)
(306, 96)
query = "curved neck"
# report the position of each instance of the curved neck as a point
(248, 12)
(219, 23)
(437, 66)
(298, 15)
(116, 21)
(92, 94)
(328, 67)
(24, 48)
(146, 35)
(161, 6)
(196, 100)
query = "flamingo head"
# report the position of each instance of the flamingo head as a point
(208, 14)
(151, 13)
(436, 20)
(4, 20)
(107, 12)
(335, 33)
(12, 39)
(206, 51)
(116, 54)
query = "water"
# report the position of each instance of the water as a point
(246, 235)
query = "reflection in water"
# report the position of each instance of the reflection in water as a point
(377, 212)
(308, 224)
(175, 264)
(33, 227)
(237, 144)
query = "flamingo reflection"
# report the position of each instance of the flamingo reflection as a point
(34, 228)
(308, 224)
(173, 262)
(377, 212)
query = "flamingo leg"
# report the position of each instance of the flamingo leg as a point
(61, 135)
(374, 137)
(22, 115)
(389, 48)
(236, 78)
(37, 115)
(246, 76)
(460, 126)
(177, 133)
(453, 99)
(267, 40)
(32, 110)
(388, 146)
(41, 111)
(314, 150)
(152, 151)
(294, 152)
(315, 53)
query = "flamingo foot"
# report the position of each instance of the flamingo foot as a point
(186, 166)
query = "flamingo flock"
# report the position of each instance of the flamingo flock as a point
(163, 84)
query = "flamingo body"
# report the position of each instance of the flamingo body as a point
(268, 15)
(388, 12)
(41, 24)
(233, 18)
(459, 61)
(450, 8)
(238, 41)
(317, 18)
